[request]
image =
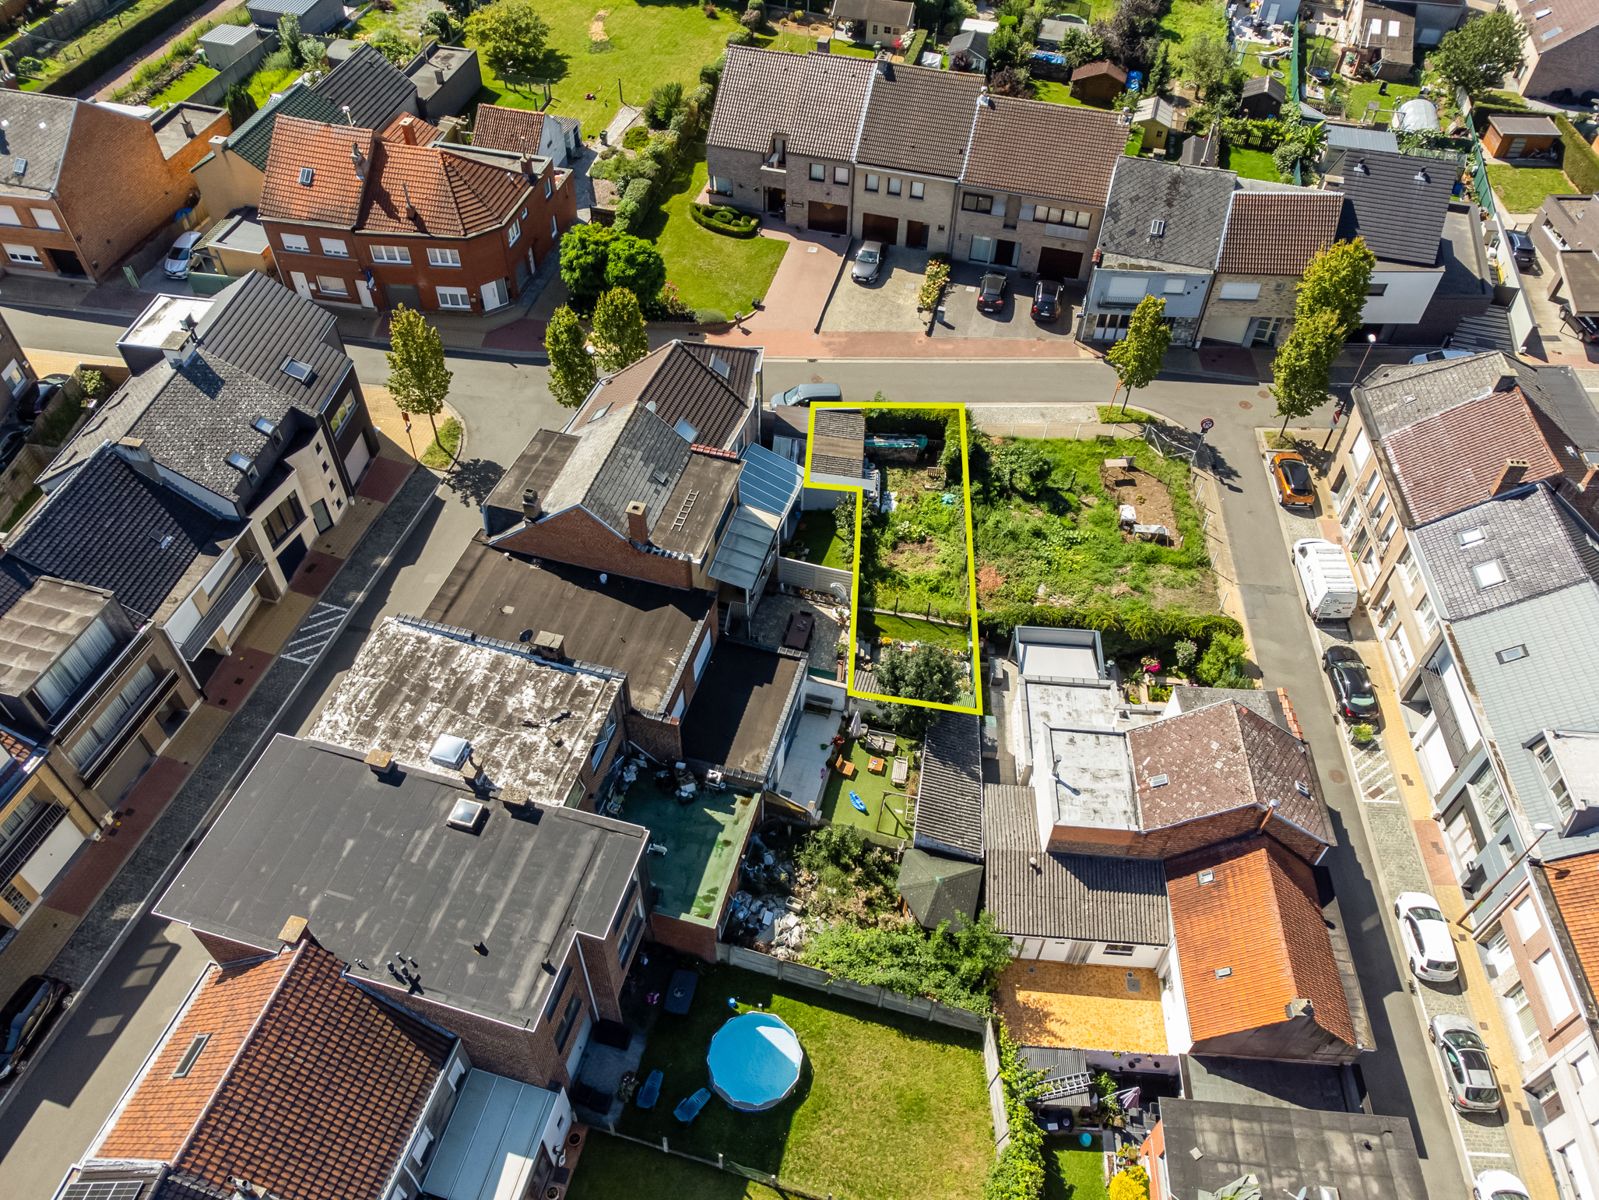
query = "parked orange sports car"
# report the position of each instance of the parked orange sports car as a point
(1291, 474)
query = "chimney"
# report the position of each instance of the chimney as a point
(358, 161)
(410, 209)
(530, 504)
(294, 931)
(179, 347)
(1511, 477)
(379, 762)
(638, 523)
(438, 74)
(188, 125)
(1298, 1009)
(136, 456)
(407, 131)
(219, 144)
(551, 646)
(526, 163)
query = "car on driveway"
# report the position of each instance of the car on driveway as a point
(1585, 329)
(991, 292)
(1521, 248)
(1291, 473)
(868, 263)
(1498, 1185)
(1424, 934)
(1353, 695)
(808, 393)
(1433, 356)
(25, 1017)
(1046, 301)
(1467, 1071)
(176, 263)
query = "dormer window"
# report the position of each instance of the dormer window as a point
(1553, 779)
(265, 428)
(778, 155)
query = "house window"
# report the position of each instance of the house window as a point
(555, 230)
(629, 937)
(114, 718)
(295, 242)
(568, 1019)
(75, 666)
(454, 297)
(1426, 618)
(420, 1147)
(549, 187)
(818, 173)
(190, 1056)
(1406, 565)
(555, 993)
(391, 254)
(1496, 955)
(1240, 291)
(1176, 287)
(1556, 1000)
(1120, 949)
(721, 185)
(25, 256)
(1584, 1069)
(871, 182)
(342, 413)
(283, 520)
(1360, 451)
(1554, 780)
(334, 248)
(976, 202)
(840, 174)
(1523, 1024)
(1488, 574)
(44, 218)
(8, 215)
(918, 189)
(514, 233)
(1526, 915)
(332, 285)
(895, 187)
(443, 257)
(1377, 289)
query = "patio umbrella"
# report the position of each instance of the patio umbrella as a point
(855, 724)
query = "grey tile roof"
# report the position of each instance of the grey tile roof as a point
(706, 386)
(256, 323)
(949, 795)
(372, 87)
(111, 527)
(1192, 201)
(815, 101)
(1540, 545)
(373, 866)
(1393, 397)
(1078, 896)
(37, 130)
(920, 120)
(252, 141)
(839, 447)
(1398, 204)
(629, 454)
(1261, 701)
(535, 469)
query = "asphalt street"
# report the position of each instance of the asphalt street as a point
(66, 1097)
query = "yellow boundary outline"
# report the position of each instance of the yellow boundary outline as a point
(976, 707)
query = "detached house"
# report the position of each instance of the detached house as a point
(1271, 237)
(522, 131)
(380, 218)
(711, 394)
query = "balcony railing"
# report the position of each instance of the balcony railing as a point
(221, 606)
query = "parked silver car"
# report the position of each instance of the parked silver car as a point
(1467, 1071)
(868, 263)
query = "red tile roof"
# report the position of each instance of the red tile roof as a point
(333, 194)
(310, 1087)
(1574, 883)
(1451, 461)
(409, 130)
(499, 128)
(1278, 233)
(1259, 920)
(449, 194)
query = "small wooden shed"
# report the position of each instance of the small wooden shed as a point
(1519, 136)
(1098, 83)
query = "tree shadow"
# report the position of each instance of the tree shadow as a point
(552, 67)
(472, 479)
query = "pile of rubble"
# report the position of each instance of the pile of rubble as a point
(771, 924)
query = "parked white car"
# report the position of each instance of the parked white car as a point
(1498, 1185)
(1424, 933)
(176, 263)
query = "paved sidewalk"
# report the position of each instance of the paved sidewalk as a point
(1409, 856)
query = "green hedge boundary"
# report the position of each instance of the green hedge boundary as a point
(719, 218)
(1126, 631)
(1578, 161)
(133, 38)
(913, 51)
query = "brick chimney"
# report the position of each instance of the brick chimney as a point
(531, 509)
(407, 131)
(295, 930)
(1513, 475)
(638, 523)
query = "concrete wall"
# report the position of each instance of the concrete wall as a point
(1405, 299)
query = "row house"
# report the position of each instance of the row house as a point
(373, 218)
(913, 157)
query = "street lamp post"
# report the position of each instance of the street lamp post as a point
(1371, 340)
(1544, 830)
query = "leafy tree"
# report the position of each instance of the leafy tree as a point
(1021, 468)
(572, 373)
(511, 37)
(1137, 357)
(955, 967)
(636, 265)
(1302, 370)
(1004, 47)
(93, 383)
(844, 523)
(585, 250)
(619, 336)
(1337, 279)
(1207, 63)
(1159, 71)
(663, 104)
(418, 379)
(462, 9)
(394, 46)
(440, 25)
(1224, 663)
(1300, 141)
(313, 53)
(240, 104)
(754, 16)
(928, 673)
(1476, 57)
(289, 38)
(1130, 1183)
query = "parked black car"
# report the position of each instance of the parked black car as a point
(1521, 248)
(24, 1018)
(1353, 695)
(992, 291)
(1046, 301)
(1585, 328)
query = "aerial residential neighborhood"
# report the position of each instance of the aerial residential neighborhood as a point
(876, 600)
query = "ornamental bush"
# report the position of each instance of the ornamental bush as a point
(719, 218)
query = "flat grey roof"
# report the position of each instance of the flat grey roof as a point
(1082, 770)
(313, 832)
(41, 625)
(738, 709)
(531, 723)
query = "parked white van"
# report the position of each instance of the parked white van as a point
(1329, 586)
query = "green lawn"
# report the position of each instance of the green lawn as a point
(442, 449)
(888, 815)
(1071, 1173)
(263, 83)
(818, 536)
(716, 275)
(1055, 92)
(788, 42)
(887, 1107)
(1522, 189)
(876, 626)
(1252, 164)
(1092, 10)
(93, 39)
(1362, 94)
(643, 46)
(185, 85)
(611, 1169)
(1189, 19)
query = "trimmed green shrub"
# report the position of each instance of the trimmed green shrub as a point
(636, 138)
(1018, 1172)
(1127, 631)
(1578, 161)
(719, 218)
(913, 51)
(633, 205)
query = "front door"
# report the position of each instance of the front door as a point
(1004, 253)
(579, 1044)
(67, 263)
(982, 250)
(301, 284)
(775, 200)
(364, 292)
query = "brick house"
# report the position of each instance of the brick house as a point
(382, 218)
(1270, 238)
(229, 176)
(56, 213)
(1560, 40)
(713, 392)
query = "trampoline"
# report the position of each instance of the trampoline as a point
(755, 1061)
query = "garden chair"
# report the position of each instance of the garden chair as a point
(690, 1106)
(845, 767)
(651, 1091)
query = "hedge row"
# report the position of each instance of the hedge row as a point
(1579, 162)
(633, 207)
(134, 37)
(913, 52)
(719, 218)
(1126, 630)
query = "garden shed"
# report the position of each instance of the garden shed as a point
(227, 44)
(316, 16)
(1098, 82)
(1511, 135)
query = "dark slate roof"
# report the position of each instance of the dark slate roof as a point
(1083, 897)
(1192, 201)
(814, 100)
(628, 454)
(534, 470)
(938, 889)
(253, 140)
(111, 527)
(373, 88)
(919, 120)
(1541, 546)
(37, 130)
(1398, 204)
(707, 386)
(949, 795)
(1265, 85)
(372, 865)
(256, 323)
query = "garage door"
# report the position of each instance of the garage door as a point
(356, 460)
(875, 226)
(1057, 263)
(828, 218)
